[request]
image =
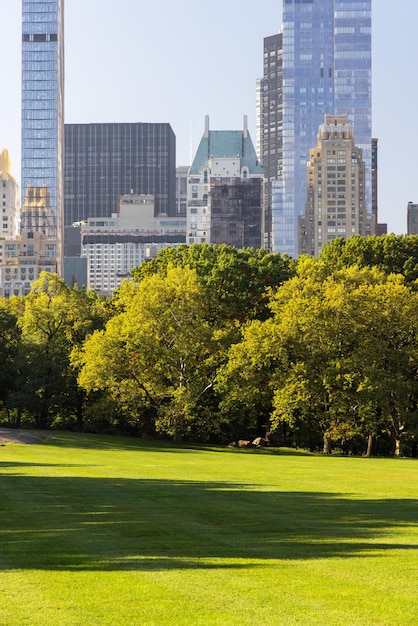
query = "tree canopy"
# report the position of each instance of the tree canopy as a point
(339, 358)
(158, 356)
(211, 343)
(393, 254)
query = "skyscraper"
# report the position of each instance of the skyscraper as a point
(412, 218)
(105, 161)
(42, 120)
(224, 192)
(270, 124)
(326, 70)
(335, 202)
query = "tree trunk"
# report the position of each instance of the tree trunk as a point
(327, 445)
(398, 446)
(369, 446)
(177, 436)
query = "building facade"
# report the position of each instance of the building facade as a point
(105, 161)
(381, 228)
(336, 189)
(182, 172)
(10, 199)
(115, 245)
(412, 218)
(43, 120)
(224, 191)
(22, 259)
(270, 125)
(326, 70)
(23, 256)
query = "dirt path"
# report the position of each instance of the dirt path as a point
(13, 435)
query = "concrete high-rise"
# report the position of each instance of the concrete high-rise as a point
(326, 70)
(412, 218)
(42, 121)
(336, 177)
(105, 161)
(224, 191)
(270, 125)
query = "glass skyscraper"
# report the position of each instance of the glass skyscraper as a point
(326, 70)
(42, 119)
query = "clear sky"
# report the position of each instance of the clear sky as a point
(177, 60)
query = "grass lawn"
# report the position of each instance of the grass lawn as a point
(104, 531)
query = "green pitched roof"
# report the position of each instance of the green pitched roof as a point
(227, 144)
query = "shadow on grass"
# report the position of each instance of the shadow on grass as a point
(61, 439)
(111, 443)
(73, 523)
(18, 464)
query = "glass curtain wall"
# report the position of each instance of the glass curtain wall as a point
(326, 70)
(42, 117)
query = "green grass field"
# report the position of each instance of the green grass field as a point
(105, 531)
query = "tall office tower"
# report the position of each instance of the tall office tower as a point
(335, 205)
(326, 70)
(42, 120)
(270, 124)
(412, 219)
(105, 161)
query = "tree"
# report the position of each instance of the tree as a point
(9, 345)
(338, 358)
(55, 319)
(236, 282)
(246, 382)
(392, 254)
(390, 350)
(158, 356)
(355, 339)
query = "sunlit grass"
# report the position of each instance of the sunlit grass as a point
(99, 530)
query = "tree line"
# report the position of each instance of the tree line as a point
(208, 343)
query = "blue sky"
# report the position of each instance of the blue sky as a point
(175, 62)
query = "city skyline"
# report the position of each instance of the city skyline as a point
(209, 75)
(326, 71)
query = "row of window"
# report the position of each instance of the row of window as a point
(40, 37)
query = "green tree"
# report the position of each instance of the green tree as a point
(338, 358)
(9, 345)
(246, 382)
(158, 356)
(393, 254)
(55, 319)
(390, 353)
(235, 282)
(354, 340)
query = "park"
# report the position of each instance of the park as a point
(116, 530)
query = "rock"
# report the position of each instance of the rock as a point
(260, 442)
(233, 444)
(244, 443)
